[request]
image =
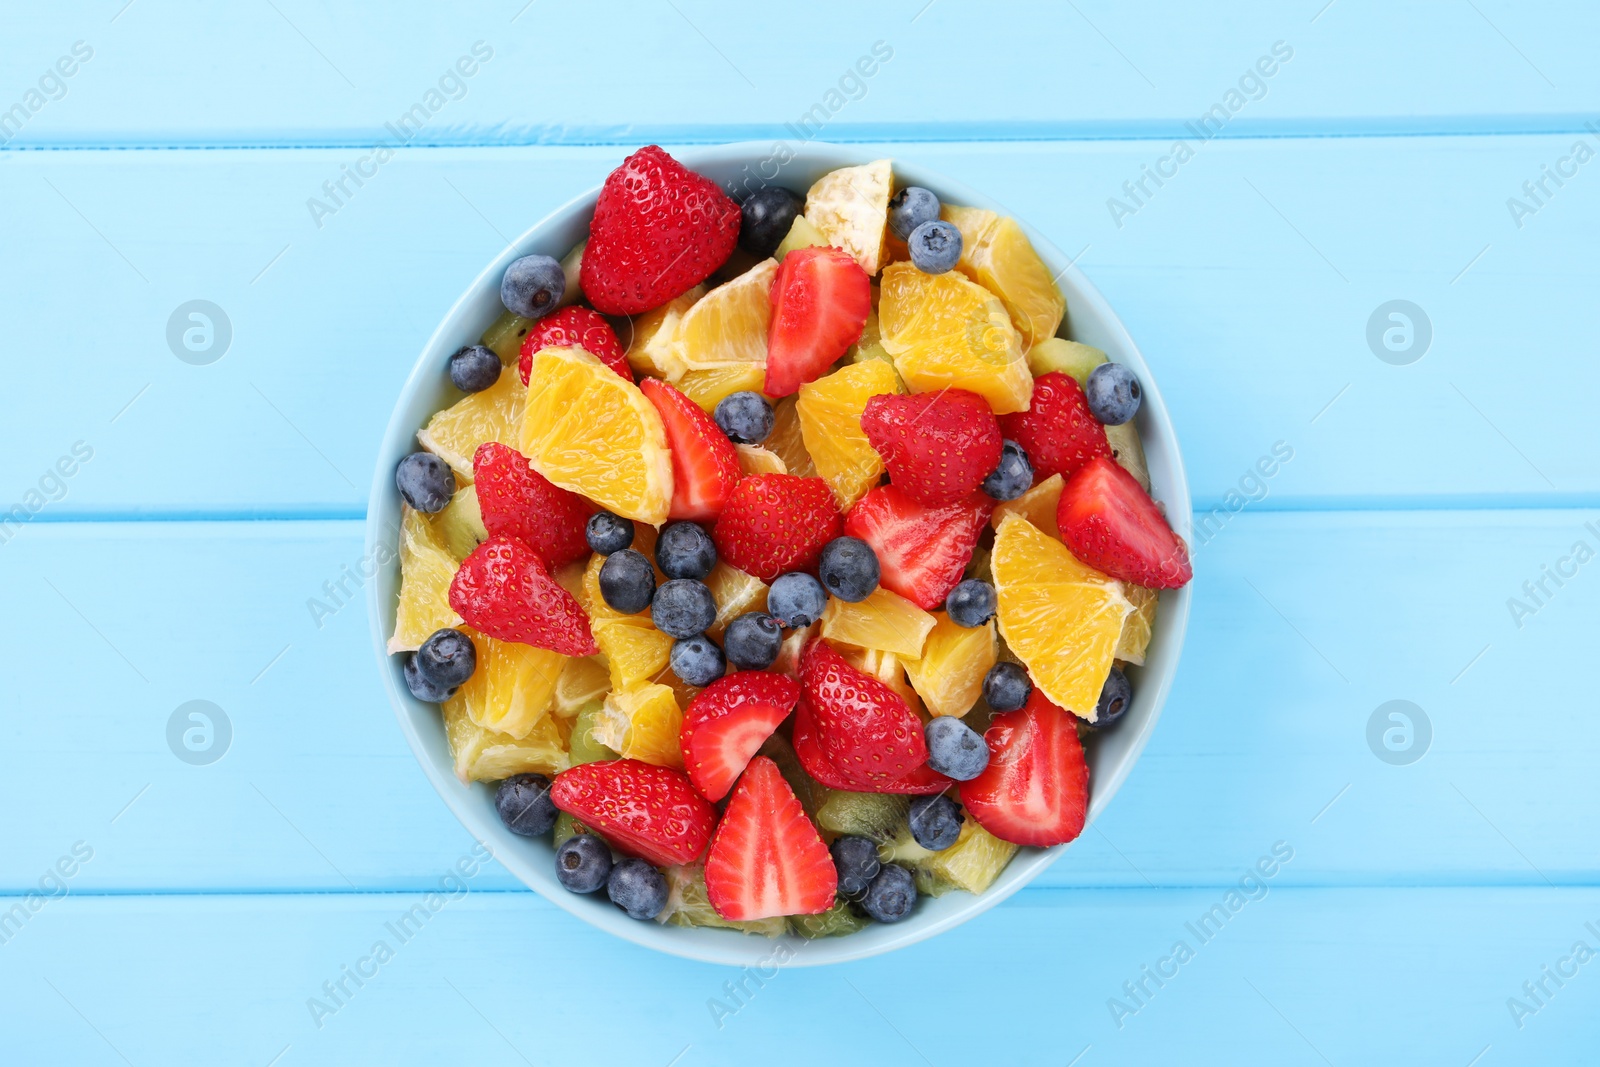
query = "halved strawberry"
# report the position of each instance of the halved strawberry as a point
(641, 809)
(865, 728)
(938, 447)
(505, 590)
(1109, 522)
(728, 721)
(1035, 790)
(705, 466)
(820, 301)
(922, 552)
(1057, 431)
(574, 327)
(767, 858)
(518, 501)
(919, 781)
(775, 523)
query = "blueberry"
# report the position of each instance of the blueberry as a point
(637, 888)
(971, 603)
(745, 417)
(524, 804)
(608, 533)
(935, 822)
(935, 247)
(765, 218)
(447, 658)
(425, 481)
(753, 640)
(889, 897)
(955, 749)
(683, 607)
(697, 660)
(910, 208)
(583, 863)
(796, 599)
(1006, 687)
(474, 369)
(1013, 476)
(1115, 696)
(856, 860)
(627, 581)
(1113, 393)
(533, 286)
(685, 550)
(849, 569)
(421, 687)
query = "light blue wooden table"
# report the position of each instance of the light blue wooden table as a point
(181, 514)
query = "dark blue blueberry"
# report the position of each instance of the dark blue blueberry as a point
(856, 860)
(752, 641)
(971, 603)
(1113, 393)
(697, 660)
(683, 607)
(765, 218)
(1006, 687)
(796, 599)
(849, 569)
(474, 369)
(910, 208)
(533, 286)
(1013, 476)
(637, 888)
(955, 749)
(891, 894)
(524, 804)
(583, 863)
(627, 581)
(935, 822)
(745, 417)
(608, 533)
(421, 687)
(1115, 697)
(935, 247)
(425, 481)
(447, 658)
(685, 550)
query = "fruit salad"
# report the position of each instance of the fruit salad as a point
(778, 559)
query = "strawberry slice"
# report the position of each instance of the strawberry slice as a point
(518, 501)
(705, 466)
(1035, 790)
(767, 858)
(922, 552)
(1109, 522)
(1057, 431)
(938, 447)
(774, 523)
(820, 302)
(505, 590)
(574, 327)
(920, 781)
(728, 721)
(866, 729)
(641, 809)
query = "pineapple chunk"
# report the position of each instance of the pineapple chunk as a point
(850, 207)
(884, 621)
(708, 387)
(485, 756)
(949, 676)
(426, 571)
(788, 441)
(650, 348)
(1137, 627)
(1038, 505)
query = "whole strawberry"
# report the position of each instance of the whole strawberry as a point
(866, 730)
(659, 229)
(1057, 431)
(574, 327)
(518, 501)
(773, 523)
(505, 590)
(641, 809)
(938, 447)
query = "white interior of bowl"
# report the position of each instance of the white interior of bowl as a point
(428, 389)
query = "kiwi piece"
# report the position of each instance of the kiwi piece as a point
(879, 817)
(566, 827)
(801, 235)
(460, 524)
(1069, 357)
(688, 905)
(504, 337)
(582, 746)
(837, 921)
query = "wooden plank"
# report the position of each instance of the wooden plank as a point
(1303, 625)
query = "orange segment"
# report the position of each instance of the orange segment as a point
(996, 254)
(708, 387)
(1141, 623)
(513, 686)
(488, 756)
(949, 676)
(583, 682)
(634, 649)
(495, 414)
(753, 459)
(887, 668)
(728, 326)
(1061, 617)
(735, 593)
(884, 621)
(787, 441)
(830, 425)
(1037, 505)
(643, 724)
(426, 570)
(650, 343)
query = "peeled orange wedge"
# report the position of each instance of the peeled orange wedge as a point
(634, 649)
(787, 440)
(651, 336)
(642, 723)
(488, 756)
(513, 686)
(830, 425)
(885, 622)
(728, 326)
(426, 570)
(1141, 623)
(949, 676)
(1037, 505)
(588, 430)
(495, 414)
(997, 255)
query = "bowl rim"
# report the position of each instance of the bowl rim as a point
(727, 947)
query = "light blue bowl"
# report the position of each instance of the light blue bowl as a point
(428, 389)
